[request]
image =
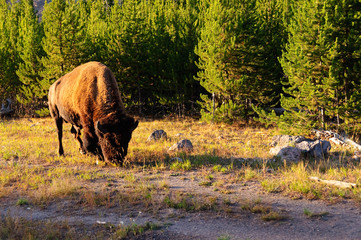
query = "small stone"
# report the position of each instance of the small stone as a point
(182, 145)
(178, 159)
(156, 135)
(356, 156)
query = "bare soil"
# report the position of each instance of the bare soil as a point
(229, 220)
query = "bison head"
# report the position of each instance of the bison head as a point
(114, 136)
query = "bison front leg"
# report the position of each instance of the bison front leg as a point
(59, 126)
(91, 143)
(76, 132)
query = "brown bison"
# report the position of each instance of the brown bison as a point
(88, 97)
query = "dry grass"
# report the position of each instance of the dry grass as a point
(223, 156)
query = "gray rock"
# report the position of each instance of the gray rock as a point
(286, 140)
(182, 145)
(321, 148)
(316, 149)
(178, 159)
(156, 135)
(356, 156)
(285, 147)
(305, 146)
(290, 154)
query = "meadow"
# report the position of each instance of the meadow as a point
(229, 172)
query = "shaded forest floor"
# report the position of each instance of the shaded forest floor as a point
(228, 187)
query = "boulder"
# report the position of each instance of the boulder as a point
(291, 148)
(286, 140)
(6, 109)
(316, 149)
(182, 145)
(290, 154)
(157, 135)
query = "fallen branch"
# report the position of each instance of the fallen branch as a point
(339, 184)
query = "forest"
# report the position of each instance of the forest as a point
(221, 60)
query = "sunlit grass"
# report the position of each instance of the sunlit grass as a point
(29, 162)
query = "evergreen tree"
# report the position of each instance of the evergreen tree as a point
(30, 50)
(64, 38)
(96, 28)
(127, 53)
(151, 49)
(183, 29)
(260, 43)
(53, 42)
(306, 62)
(9, 57)
(345, 16)
(3, 49)
(215, 41)
(259, 40)
(239, 46)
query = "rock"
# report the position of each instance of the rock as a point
(156, 135)
(286, 140)
(182, 145)
(6, 109)
(316, 149)
(292, 147)
(356, 156)
(336, 141)
(291, 154)
(178, 159)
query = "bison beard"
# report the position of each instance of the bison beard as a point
(88, 98)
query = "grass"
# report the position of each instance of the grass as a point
(311, 214)
(21, 228)
(266, 212)
(224, 159)
(124, 232)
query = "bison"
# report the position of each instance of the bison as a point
(88, 98)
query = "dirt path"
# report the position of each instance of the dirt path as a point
(330, 221)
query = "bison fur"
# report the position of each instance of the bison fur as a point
(88, 98)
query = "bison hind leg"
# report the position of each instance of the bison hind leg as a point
(59, 126)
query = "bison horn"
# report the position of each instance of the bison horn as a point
(100, 128)
(135, 125)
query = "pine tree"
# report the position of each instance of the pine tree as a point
(239, 46)
(53, 42)
(263, 36)
(96, 29)
(306, 62)
(30, 50)
(253, 59)
(346, 67)
(74, 34)
(182, 36)
(3, 49)
(64, 38)
(127, 53)
(151, 47)
(9, 57)
(214, 44)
